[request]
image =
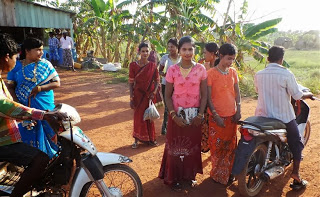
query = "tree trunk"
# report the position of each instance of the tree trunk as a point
(225, 22)
(103, 40)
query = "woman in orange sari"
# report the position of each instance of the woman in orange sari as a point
(144, 81)
(210, 54)
(224, 112)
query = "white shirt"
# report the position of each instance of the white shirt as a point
(66, 43)
(275, 85)
(167, 62)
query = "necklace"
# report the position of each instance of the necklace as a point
(222, 72)
(34, 79)
(141, 64)
(185, 71)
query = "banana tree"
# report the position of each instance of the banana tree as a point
(246, 37)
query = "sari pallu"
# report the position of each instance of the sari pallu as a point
(144, 79)
(40, 136)
(181, 159)
(222, 144)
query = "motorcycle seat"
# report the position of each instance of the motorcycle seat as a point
(264, 123)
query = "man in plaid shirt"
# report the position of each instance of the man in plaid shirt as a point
(11, 148)
(53, 49)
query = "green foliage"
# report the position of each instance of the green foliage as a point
(303, 64)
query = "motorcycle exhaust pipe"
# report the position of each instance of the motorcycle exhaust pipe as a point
(272, 173)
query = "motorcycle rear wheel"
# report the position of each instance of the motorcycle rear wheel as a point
(121, 181)
(306, 133)
(248, 180)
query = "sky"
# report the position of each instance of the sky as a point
(296, 14)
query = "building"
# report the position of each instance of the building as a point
(21, 18)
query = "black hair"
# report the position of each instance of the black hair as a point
(8, 46)
(28, 44)
(143, 44)
(226, 49)
(186, 39)
(173, 41)
(275, 53)
(212, 48)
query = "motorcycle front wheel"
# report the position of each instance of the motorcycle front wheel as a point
(248, 180)
(121, 181)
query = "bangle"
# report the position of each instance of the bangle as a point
(171, 112)
(200, 115)
(173, 116)
(39, 88)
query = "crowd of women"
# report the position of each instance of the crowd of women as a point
(200, 100)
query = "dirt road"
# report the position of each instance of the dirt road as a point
(107, 120)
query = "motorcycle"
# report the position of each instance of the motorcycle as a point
(95, 172)
(263, 153)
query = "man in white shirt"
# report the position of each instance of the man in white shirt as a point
(275, 86)
(66, 44)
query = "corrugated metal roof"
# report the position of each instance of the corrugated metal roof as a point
(19, 13)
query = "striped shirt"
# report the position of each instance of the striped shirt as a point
(10, 110)
(275, 86)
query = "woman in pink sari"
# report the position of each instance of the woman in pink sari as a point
(144, 81)
(186, 93)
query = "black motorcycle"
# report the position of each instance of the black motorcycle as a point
(263, 153)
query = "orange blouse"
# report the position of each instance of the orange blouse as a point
(223, 94)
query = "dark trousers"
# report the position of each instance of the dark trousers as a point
(294, 140)
(165, 114)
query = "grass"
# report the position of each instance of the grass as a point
(120, 76)
(305, 65)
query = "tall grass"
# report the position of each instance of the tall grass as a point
(305, 65)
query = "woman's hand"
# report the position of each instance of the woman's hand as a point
(219, 121)
(152, 95)
(196, 121)
(162, 73)
(35, 91)
(179, 121)
(236, 117)
(132, 106)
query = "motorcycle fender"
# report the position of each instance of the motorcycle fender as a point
(81, 176)
(243, 151)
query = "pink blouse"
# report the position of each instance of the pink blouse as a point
(186, 91)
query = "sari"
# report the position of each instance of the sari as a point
(41, 135)
(222, 144)
(144, 79)
(181, 159)
(222, 141)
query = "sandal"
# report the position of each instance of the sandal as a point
(134, 145)
(153, 143)
(296, 185)
(231, 179)
(176, 187)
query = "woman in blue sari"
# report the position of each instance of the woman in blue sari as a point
(34, 79)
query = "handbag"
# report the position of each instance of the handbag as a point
(151, 113)
(187, 113)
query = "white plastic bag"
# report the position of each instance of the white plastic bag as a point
(111, 67)
(151, 112)
(188, 113)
